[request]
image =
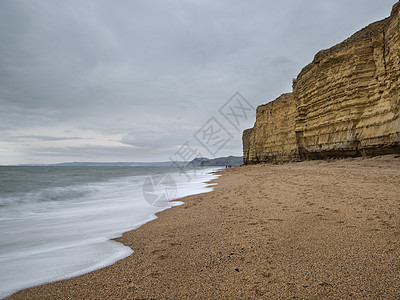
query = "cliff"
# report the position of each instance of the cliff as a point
(344, 103)
(273, 135)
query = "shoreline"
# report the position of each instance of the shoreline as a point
(102, 250)
(313, 229)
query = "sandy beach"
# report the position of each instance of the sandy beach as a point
(306, 230)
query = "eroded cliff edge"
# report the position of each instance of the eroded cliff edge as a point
(344, 103)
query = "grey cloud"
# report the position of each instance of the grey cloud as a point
(47, 138)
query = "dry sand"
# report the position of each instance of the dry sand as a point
(308, 230)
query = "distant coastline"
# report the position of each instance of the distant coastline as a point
(200, 161)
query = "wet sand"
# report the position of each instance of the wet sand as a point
(310, 230)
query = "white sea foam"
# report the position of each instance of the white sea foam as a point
(50, 235)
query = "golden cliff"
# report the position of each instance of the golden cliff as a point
(345, 103)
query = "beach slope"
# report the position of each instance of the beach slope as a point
(312, 230)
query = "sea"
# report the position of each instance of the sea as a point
(57, 222)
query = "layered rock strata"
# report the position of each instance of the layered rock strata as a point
(344, 103)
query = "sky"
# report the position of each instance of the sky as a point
(153, 80)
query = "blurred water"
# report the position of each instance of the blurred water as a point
(57, 222)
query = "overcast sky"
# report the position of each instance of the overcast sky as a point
(135, 80)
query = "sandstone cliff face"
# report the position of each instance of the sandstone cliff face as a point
(273, 136)
(345, 103)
